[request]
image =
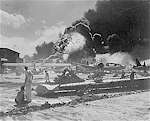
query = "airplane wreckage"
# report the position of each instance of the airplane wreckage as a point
(69, 82)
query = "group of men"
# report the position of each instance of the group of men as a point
(24, 95)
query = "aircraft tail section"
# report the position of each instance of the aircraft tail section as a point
(138, 62)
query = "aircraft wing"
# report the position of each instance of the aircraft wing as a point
(17, 64)
(114, 68)
(38, 64)
(83, 65)
(56, 64)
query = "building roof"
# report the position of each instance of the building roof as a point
(4, 59)
(9, 50)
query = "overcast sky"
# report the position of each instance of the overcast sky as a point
(26, 23)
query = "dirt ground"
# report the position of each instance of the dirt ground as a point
(134, 107)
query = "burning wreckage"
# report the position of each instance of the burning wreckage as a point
(71, 84)
(68, 84)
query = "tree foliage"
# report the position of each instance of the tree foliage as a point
(44, 50)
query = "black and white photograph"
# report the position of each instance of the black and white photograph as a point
(74, 60)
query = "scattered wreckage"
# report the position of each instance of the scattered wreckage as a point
(68, 84)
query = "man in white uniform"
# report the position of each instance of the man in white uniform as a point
(28, 82)
(46, 77)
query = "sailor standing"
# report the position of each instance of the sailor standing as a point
(46, 77)
(123, 74)
(132, 75)
(28, 83)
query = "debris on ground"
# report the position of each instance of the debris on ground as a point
(68, 76)
(72, 103)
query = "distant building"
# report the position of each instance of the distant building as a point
(8, 56)
(11, 55)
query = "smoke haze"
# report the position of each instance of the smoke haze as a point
(122, 26)
(119, 58)
(76, 42)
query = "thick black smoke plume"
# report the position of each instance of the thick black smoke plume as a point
(111, 27)
(80, 43)
(123, 25)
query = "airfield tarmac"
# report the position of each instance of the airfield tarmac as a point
(134, 107)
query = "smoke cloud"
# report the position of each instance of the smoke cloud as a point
(114, 29)
(76, 42)
(128, 20)
(119, 58)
